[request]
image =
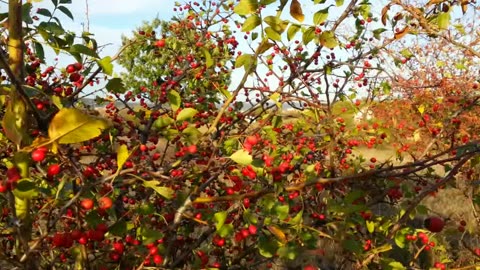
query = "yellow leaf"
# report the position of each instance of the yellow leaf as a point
(402, 33)
(385, 9)
(122, 156)
(278, 233)
(14, 123)
(296, 11)
(74, 126)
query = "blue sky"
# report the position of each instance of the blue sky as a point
(109, 19)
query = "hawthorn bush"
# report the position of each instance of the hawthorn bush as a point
(231, 143)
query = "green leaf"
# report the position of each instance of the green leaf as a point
(116, 85)
(55, 2)
(251, 23)
(82, 49)
(65, 1)
(339, 3)
(276, 23)
(288, 252)
(71, 125)
(245, 60)
(246, 7)
(292, 31)
(266, 247)
(186, 114)
(308, 35)
(320, 16)
(39, 51)
(443, 20)
(352, 246)
(174, 99)
(226, 230)
(395, 266)
(377, 32)
(281, 211)
(163, 121)
(119, 228)
(272, 34)
(163, 191)
(57, 101)
(148, 235)
(297, 219)
(106, 65)
(122, 156)
(25, 189)
(220, 218)
(248, 217)
(328, 39)
(400, 239)
(242, 157)
(45, 12)
(208, 58)
(66, 11)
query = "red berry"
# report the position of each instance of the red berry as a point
(143, 148)
(78, 66)
(153, 250)
(192, 149)
(373, 160)
(157, 259)
(252, 140)
(105, 203)
(434, 224)
(3, 187)
(87, 203)
(53, 169)
(70, 69)
(160, 43)
(38, 155)
(119, 247)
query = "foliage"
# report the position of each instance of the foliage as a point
(231, 141)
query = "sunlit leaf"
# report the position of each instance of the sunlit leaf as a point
(70, 125)
(328, 39)
(272, 34)
(186, 114)
(251, 23)
(13, 122)
(122, 156)
(106, 65)
(370, 226)
(308, 35)
(163, 191)
(320, 16)
(443, 20)
(292, 30)
(246, 7)
(220, 218)
(208, 58)
(242, 157)
(174, 99)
